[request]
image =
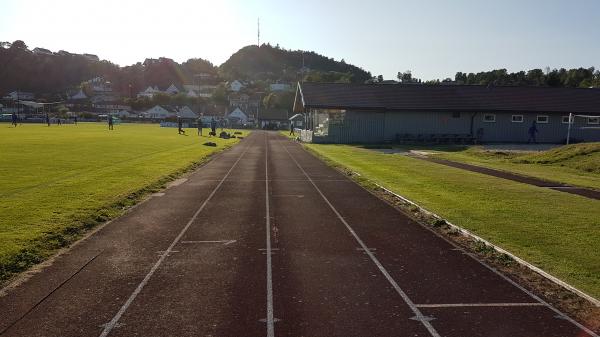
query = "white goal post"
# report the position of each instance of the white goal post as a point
(587, 117)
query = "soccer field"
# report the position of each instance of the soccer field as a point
(56, 181)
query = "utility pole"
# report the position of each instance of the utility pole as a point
(258, 30)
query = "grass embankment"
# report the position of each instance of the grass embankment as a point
(556, 231)
(577, 164)
(56, 182)
(287, 134)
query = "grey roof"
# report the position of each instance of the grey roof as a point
(410, 97)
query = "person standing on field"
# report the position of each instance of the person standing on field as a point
(532, 131)
(199, 125)
(110, 122)
(292, 128)
(213, 127)
(47, 119)
(180, 126)
(14, 119)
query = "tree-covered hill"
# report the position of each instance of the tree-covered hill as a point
(275, 63)
(22, 69)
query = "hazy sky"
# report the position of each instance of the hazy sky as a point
(434, 39)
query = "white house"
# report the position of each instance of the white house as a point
(192, 94)
(158, 112)
(280, 87)
(236, 86)
(172, 90)
(18, 95)
(239, 115)
(125, 113)
(149, 92)
(79, 95)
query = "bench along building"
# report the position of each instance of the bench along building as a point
(367, 113)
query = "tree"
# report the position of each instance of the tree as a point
(405, 77)
(379, 78)
(161, 99)
(18, 44)
(220, 94)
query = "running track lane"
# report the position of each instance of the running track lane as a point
(453, 294)
(267, 240)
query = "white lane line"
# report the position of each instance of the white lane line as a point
(113, 322)
(425, 320)
(461, 305)
(224, 242)
(270, 320)
(493, 270)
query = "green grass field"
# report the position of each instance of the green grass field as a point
(55, 182)
(556, 231)
(577, 164)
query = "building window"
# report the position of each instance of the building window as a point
(565, 119)
(593, 120)
(456, 114)
(542, 119)
(489, 118)
(517, 119)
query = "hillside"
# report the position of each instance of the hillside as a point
(22, 69)
(274, 63)
(584, 157)
(54, 73)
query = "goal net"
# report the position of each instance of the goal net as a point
(580, 124)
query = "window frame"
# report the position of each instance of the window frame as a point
(562, 120)
(597, 122)
(489, 121)
(537, 119)
(512, 119)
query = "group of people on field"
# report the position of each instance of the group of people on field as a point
(15, 120)
(213, 127)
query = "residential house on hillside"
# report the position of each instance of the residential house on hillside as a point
(63, 53)
(359, 113)
(186, 112)
(192, 93)
(172, 90)
(110, 108)
(160, 112)
(199, 90)
(42, 51)
(91, 57)
(239, 100)
(205, 78)
(248, 103)
(278, 87)
(19, 95)
(125, 114)
(99, 85)
(78, 96)
(237, 116)
(149, 92)
(166, 111)
(235, 86)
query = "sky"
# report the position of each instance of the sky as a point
(432, 38)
